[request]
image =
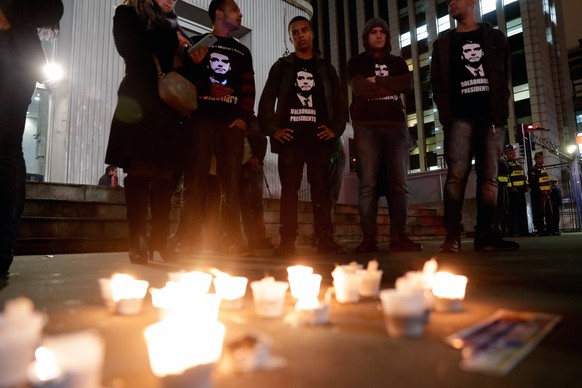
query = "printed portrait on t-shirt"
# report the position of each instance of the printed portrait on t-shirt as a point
(304, 83)
(472, 57)
(381, 70)
(220, 67)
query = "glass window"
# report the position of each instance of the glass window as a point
(421, 32)
(487, 6)
(34, 140)
(443, 23)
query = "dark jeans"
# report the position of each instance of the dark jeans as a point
(372, 145)
(213, 136)
(464, 139)
(556, 218)
(251, 191)
(542, 211)
(502, 212)
(517, 213)
(16, 90)
(290, 165)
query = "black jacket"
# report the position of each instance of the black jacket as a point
(276, 92)
(143, 128)
(498, 69)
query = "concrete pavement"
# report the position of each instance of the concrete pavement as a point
(544, 275)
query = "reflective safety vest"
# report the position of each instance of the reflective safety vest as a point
(542, 179)
(517, 177)
(503, 172)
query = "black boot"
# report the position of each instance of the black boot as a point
(137, 203)
(400, 242)
(368, 244)
(161, 206)
(327, 245)
(286, 247)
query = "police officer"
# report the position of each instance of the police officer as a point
(540, 196)
(517, 186)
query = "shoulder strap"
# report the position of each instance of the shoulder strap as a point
(158, 67)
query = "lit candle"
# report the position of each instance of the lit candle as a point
(194, 282)
(403, 312)
(45, 371)
(449, 291)
(20, 334)
(231, 290)
(176, 303)
(79, 356)
(182, 351)
(370, 279)
(347, 282)
(296, 275)
(269, 297)
(128, 293)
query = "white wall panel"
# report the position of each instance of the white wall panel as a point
(85, 100)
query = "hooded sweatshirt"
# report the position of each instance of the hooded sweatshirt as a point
(378, 103)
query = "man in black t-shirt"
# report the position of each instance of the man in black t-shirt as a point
(304, 112)
(470, 81)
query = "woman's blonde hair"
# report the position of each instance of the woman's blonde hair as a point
(134, 3)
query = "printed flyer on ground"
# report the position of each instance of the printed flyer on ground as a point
(495, 345)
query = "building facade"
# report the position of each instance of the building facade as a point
(540, 80)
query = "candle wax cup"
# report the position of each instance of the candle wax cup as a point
(80, 357)
(231, 290)
(269, 298)
(444, 305)
(199, 376)
(404, 313)
(20, 334)
(370, 282)
(128, 306)
(346, 286)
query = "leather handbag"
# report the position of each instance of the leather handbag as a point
(176, 91)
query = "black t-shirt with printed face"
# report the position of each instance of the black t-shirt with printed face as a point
(307, 108)
(471, 97)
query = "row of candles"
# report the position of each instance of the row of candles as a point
(188, 338)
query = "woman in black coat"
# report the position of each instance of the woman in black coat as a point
(21, 59)
(146, 135)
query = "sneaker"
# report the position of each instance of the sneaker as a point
(494, 244)
(327, 245)
(402, 243)
(285, 248)
(451, 245)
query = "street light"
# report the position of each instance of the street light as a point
(571, 148)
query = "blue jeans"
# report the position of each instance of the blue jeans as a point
(388, 145)
(16, 89)
(465, 138)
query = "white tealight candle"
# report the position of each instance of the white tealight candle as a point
(175, 347)
(449, 291)
(194, 282)
(269, 297)
(296, 276)
(20, 334)
(128, 293)
(79, 356)
(231, 290)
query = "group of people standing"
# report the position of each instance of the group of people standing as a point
(302, 109)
